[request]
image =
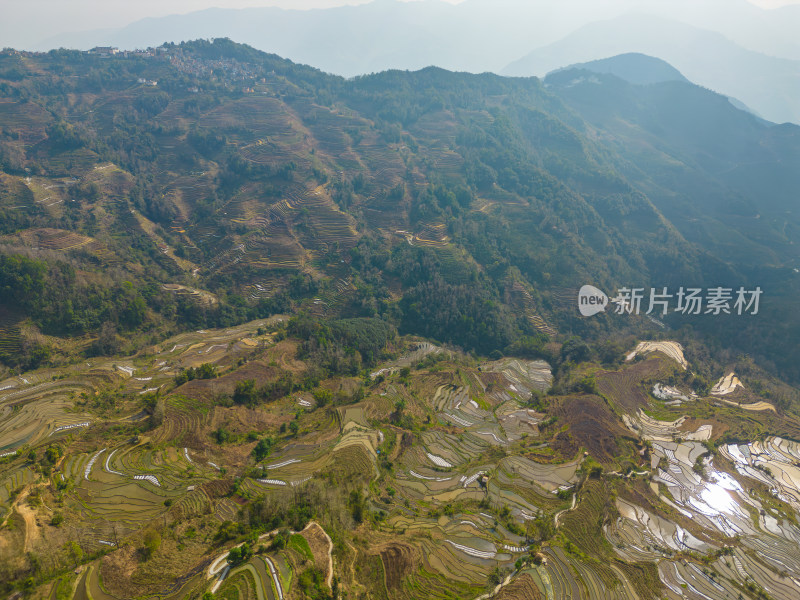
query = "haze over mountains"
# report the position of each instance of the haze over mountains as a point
(771, 86)
(732, 47)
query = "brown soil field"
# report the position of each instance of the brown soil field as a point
(204, 389)
(117, 568)
(398, 562)
(283, 353)
(32, 532)
(240, 419)
(693, 424)
(624, 387)
(523, 588)
(12, 538)
(590, 425)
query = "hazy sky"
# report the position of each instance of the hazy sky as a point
(24, 22)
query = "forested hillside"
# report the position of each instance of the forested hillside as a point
(207, 184)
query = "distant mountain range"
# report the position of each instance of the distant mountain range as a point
(349, 40)
(771, 86)
(729, 46)
(670, 127)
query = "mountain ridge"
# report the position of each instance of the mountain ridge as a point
(759, 81)
(633, 67)
(354, 40)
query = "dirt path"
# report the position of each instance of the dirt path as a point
(32, 533)
(353, 566)
(498, 588)
(559, 513)
(288, 364)
(329, 581)
(219, 567)
(329, 576)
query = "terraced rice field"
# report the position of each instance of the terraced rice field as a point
(192, 189)
(433, 235)
(38, 412)
(199, 296)
(274, 248)
(9, 333)
(462, 494)
(15, 194)
(415, 354)
(726, 385)
(72, 162)
(27, 119)
(773, 462)
(332, 297)
(304, 215)
(128, 487)
(330, 226)
(522, 376)
(265, 129)
(245, 583)
(54, 239)
(522, 296)
(11, 481)
(329, 130)
(671, 395)
(672, 350)
(708, 506)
